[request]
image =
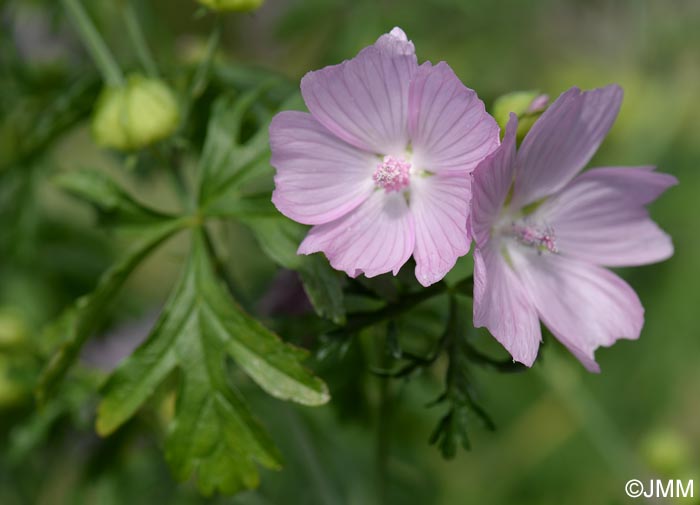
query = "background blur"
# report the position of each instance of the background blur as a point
(563, 436)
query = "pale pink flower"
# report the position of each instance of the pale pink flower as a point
(544, 234)
(381, 164)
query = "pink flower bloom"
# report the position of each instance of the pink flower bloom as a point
(544, 234)
(381, 164)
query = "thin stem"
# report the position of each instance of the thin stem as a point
(451, 343)
(94, 43)
(201, 75)
(361, 320)
(170, 158)
(561, 377)
(180, 187)
(222, 271)
(138, 40)
(383, 425)
(314, 466)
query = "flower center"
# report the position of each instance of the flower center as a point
(392, 174)
(541, 238)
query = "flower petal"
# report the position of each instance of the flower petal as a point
(375, 238)
(563, 140)
(449, 127)
(600, 217)
(585, 306)
(501, 304)
(364, 101)
(319, 177)
(492, 181)
(440, 207)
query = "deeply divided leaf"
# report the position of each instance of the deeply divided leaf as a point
(226, 160)
(226, 163)
(111, 200)
(82, 320)
(213, 434)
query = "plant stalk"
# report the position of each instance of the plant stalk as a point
(138, 40)
(94, 43)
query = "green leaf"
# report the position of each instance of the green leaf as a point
(81, 321)
(244, 207)
(227, 161)
(279, 238)
(225, 165)
(113, 202)
(213, 434)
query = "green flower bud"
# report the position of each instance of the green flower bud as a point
(136, 115)
(527, 105)
(666, 452)
(13, 328)
(232, 5)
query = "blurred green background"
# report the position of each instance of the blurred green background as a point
(563, 436)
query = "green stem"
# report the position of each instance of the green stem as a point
(180, 187)
(201, 75)
(94, 43)
(223, 272)
(383, 426)
(361, 320)
(133, 28)
(318, 479)
(564, 381)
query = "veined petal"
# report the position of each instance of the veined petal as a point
(440, 207)
(364, 101)
(600, 217)
(492, 181)
(585, 306)
(319, 177)
(563, 140)
(449, 127)
(501, 304)
(377, 237)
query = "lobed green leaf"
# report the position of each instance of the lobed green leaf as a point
(113, 202)
(82, 320)
(213, 435)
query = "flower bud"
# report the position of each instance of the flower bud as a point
(666, 453)
(527, 105)
(232, 5)
(135, 115)
(13, 328)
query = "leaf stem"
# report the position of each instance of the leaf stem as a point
(222, 270)
(383, 424)
(94, 43)
(138, 40)
(361, 320)
(564, 380)
(314, 467)
(201, 75)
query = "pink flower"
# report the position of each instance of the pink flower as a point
(544, 234)
(381, 165)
